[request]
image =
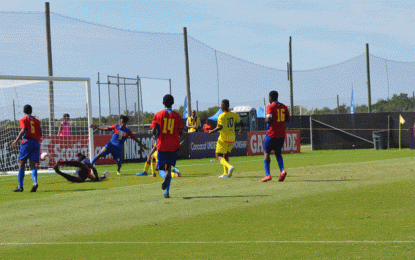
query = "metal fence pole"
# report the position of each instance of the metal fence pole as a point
(369, 96)
(186, 55)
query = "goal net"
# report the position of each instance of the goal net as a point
(51, 98)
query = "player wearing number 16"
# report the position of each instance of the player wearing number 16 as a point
(167, 127)
(277, 115)
(114, 146)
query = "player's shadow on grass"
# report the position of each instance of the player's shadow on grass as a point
(68, 190)
(224, 197)
(196, 175)
(324, 180)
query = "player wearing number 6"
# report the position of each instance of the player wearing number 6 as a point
(226, 126)
(277, 115)
(31, 132)
(114, 146)
(167, 127)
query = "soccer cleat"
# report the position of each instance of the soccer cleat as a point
(167, 196)
(282, 176)
(230, 171)
(266, 178)
(118, 173)
(166, 181)
(152, 175)
(223, 176)
(142, 174)
(18, 189)
(34, 187)
(106, 174)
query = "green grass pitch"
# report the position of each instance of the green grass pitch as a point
(350, 204)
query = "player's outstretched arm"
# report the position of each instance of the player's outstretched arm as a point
(139, 143)
(217, 129)
(100, 128)
(22, 131)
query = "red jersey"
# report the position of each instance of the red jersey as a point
(279, 113)
(32, 126)
(207, 128)
(169, 123)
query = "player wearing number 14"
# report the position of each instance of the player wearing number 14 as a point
(167, 127)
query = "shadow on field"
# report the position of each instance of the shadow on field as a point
(325, 180)
(68, 190)
(224, 197)
(196, 175)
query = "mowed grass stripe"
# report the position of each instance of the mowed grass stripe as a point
(201, 196)
(371, 222)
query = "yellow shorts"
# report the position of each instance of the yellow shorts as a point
(223, 147)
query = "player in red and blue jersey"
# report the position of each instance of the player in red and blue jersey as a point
(114, 146)
(277, 115)
(31, 132)
(167, 127)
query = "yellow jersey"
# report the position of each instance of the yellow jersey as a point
(227, 120)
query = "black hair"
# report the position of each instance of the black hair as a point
(226, 102)
(81, 156)
(66, 115)
(274, 95)
(168, 100)
(124, 118)
(27, 109)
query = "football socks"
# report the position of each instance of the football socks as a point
(146, 166)
(94, 160)
(153, 167)
(225, 170)
(280, 161)
(224, 162)
(34, 175)
(20, 177)
(267, 167)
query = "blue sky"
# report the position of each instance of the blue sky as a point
(324, 32)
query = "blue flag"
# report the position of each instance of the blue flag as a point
(352, 103)
(185, 114)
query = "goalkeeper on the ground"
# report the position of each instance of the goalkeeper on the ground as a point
(152, 162)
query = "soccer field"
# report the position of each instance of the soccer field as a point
(349, 204)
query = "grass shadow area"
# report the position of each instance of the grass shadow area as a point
(224, 197)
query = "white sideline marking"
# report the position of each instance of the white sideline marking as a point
(217, 242)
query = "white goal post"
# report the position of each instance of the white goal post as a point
(51, 98)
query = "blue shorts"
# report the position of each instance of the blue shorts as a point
(164, 158)
(29, 149)
(116, 152)
(273, 144)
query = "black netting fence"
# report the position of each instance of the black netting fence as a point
(82, 49)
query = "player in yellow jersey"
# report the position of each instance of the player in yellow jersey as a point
(152, 161)
(226, 126)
